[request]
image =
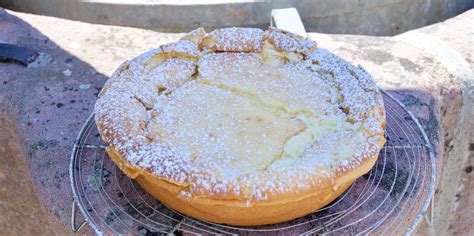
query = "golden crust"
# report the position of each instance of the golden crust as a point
(234, 211)
(138, 114)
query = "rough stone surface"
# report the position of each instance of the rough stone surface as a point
(372, 17)
(50, 103)
(20, 210)
(432, 69)
(453, 49)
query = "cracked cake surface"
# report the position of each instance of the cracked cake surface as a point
(241, 114)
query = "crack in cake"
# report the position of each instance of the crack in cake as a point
(242, 126)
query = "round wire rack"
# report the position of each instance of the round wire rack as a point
(391, 199)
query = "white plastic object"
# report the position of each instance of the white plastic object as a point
(288, 19)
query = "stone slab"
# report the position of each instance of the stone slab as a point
(49, 104)
(21, 213)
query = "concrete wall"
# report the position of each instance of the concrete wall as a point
(371, 17)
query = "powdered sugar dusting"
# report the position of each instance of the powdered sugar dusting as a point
(235, 40)
(288, 42)
(182, 46)
(225, 123)
(360, 93)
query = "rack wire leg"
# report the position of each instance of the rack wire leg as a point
(430, 219)
(73, 219)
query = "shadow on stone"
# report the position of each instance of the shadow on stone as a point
(41, 111)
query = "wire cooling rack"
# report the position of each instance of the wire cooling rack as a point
(391, 199)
